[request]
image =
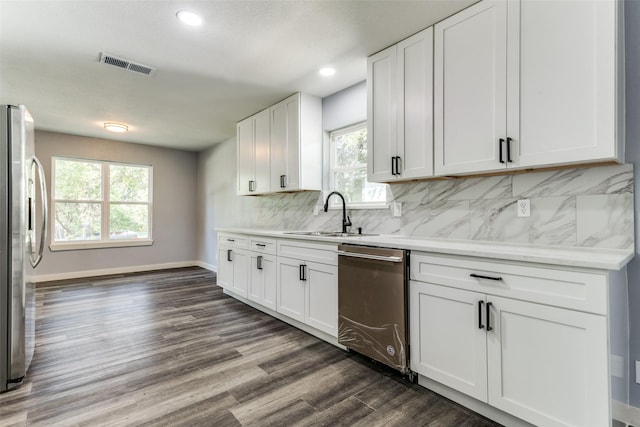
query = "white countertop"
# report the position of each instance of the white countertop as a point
(596, 258)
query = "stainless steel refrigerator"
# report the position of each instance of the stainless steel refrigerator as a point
(22, 238)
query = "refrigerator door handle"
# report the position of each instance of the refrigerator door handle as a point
(45, 212)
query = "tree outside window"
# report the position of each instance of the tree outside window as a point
(96, 201)
(348, 168)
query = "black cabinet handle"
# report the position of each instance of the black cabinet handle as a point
(259, 262)
(489, 328)
(398, 165)
(303, 272)
(231, 240)
(229, 255)
(480, 304)
(30, 226)
(262, 245)
(252, 186)
(500, 142)
(393, 166)
(283, 181)
(509, 150)
(479, 276)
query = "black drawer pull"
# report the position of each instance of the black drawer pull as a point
(230, 240)
(259, 262)
(480, 304)
(500, 143)
(229, 255)
(262, 245)
(479, 276)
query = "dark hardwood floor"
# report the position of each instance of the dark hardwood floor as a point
(168, 348)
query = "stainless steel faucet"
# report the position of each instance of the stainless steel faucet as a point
(346, 222)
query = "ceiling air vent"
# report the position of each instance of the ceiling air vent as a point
(125, 64)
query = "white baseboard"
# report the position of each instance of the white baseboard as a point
(119, 270)
(207, 266)
(473, 404)
(625, 413)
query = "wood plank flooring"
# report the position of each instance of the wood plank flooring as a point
(168, 348)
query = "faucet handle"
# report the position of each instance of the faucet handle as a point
(347, 222)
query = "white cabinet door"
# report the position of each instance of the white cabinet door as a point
(262, 146)
(225, 268)
(382, 114)
(448, 338)
(415, 106)
(262, 279)
(291, 289)
(246, 155)
(470, 84)
(278, 118)
(253, 145)
(548, 365)
(322, 297)
(563, 90)
(239, 259)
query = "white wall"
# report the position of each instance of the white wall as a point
(218, 204)
(174, 205)
(632, 84)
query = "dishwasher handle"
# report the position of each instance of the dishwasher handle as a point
(369, 256)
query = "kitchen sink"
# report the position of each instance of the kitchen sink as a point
(327, 234)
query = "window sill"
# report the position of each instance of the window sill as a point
(74, 246)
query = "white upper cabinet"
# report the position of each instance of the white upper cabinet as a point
(296, 144)
(563, 102)
(526, 84)
(253, 142)
(280, 148)
(399, 102)
(470, 89)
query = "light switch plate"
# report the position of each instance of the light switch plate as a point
(637, 371)
(396, 209)
(316, 210)
(617, 366)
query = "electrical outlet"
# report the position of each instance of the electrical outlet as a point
(524, 207)
(637, 371)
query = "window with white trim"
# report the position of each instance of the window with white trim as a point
(348, 169)
(100, 204)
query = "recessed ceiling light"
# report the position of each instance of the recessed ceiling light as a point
(189, 18)
(327, 71)
(116, 127)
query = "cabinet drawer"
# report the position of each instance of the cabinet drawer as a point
(237, 241)
(308, 251)
(567, 288)
(263, 245)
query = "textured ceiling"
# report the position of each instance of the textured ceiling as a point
(246, 56)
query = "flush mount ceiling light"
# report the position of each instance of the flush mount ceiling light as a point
(116, 127)
(327, 71)
(189, 18)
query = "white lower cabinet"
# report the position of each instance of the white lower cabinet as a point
(232, 263)
(308, 293)
(546, 365)
(294, 278)
(262, 279)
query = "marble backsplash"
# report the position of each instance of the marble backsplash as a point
(588, 207)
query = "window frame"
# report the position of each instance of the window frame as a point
(105, 208)
(335, 202)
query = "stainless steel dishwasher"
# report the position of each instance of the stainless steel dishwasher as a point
(372, 303)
